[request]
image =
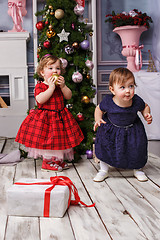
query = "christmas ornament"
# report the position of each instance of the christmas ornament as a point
(47, 44)
(88, 76)
(85, 44)
(64, 62)
(52, 13)
(63, 35)
(85, 99)
(89, 64)
(50, 33)
(73, 26)
(89, 154)
(91, 34)
(69, 105)
(78, 10)
(94, 139)
(46, 22)
(77, 77)
(80, 117)
(50, 26)
(40, 25)
(59, 14)
(68, 49)
(50, 7)
(75, 45)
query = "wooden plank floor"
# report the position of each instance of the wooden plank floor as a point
(125, 208)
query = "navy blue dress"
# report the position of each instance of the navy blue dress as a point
(122, 141)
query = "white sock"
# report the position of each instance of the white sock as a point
(103, 166)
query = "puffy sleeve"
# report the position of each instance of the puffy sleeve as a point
(104, 104)
(38, 89)
(139, 103)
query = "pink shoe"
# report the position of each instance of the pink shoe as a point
(50, 166)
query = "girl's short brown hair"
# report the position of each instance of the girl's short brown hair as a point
(47, 60)
(120, 75)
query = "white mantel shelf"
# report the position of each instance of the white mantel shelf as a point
(9, 36)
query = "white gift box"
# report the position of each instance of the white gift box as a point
(28, 200)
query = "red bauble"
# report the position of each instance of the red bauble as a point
(47, 44)
(40, 25)
(80, 117)
(46, 22)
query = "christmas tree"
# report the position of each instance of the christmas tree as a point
(63, 33)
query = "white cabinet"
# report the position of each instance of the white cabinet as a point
(148, 87)
(14, 74)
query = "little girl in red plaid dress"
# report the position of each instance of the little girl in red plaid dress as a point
(50, 130)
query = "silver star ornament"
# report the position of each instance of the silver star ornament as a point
(63, 35)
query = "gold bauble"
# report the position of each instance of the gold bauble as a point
(91, 34)
(59, 14)
(50, 33)
(88, 76)
(85, 99)
(51, 13)
(75, 45)
(50, 7)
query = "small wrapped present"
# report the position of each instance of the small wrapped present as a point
(41, 197)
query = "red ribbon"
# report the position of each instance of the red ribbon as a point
(58, 180)
(81, 2)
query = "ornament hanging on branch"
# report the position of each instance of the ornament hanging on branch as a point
(63, 35)
(77, 77)
(89, 154)
(40, 25)
(89, 64)
(75, 45)
(50, 33)
(85, 99)
(64, 62)
(84, 45)
(47, 44)
(68, 49)
(80, 117)
(59, 14)
(78, 10)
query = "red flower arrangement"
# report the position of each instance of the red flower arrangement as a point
(134, 17)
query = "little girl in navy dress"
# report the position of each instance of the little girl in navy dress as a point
(121, 139)
(50, 130)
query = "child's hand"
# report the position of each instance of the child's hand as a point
(148, 118)
(51, 81)
(61, 81)
(98, 123)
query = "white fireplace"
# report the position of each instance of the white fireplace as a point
(14, 80)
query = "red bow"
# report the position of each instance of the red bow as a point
(58, 180)
(81, 2)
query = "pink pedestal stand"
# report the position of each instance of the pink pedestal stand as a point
(130, 36)
(17, 9)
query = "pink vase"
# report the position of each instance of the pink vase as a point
(130, 36)
(17, 10)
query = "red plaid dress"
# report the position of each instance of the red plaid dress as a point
(51, 126)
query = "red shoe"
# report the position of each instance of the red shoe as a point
(60, 162)
(50, 166)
